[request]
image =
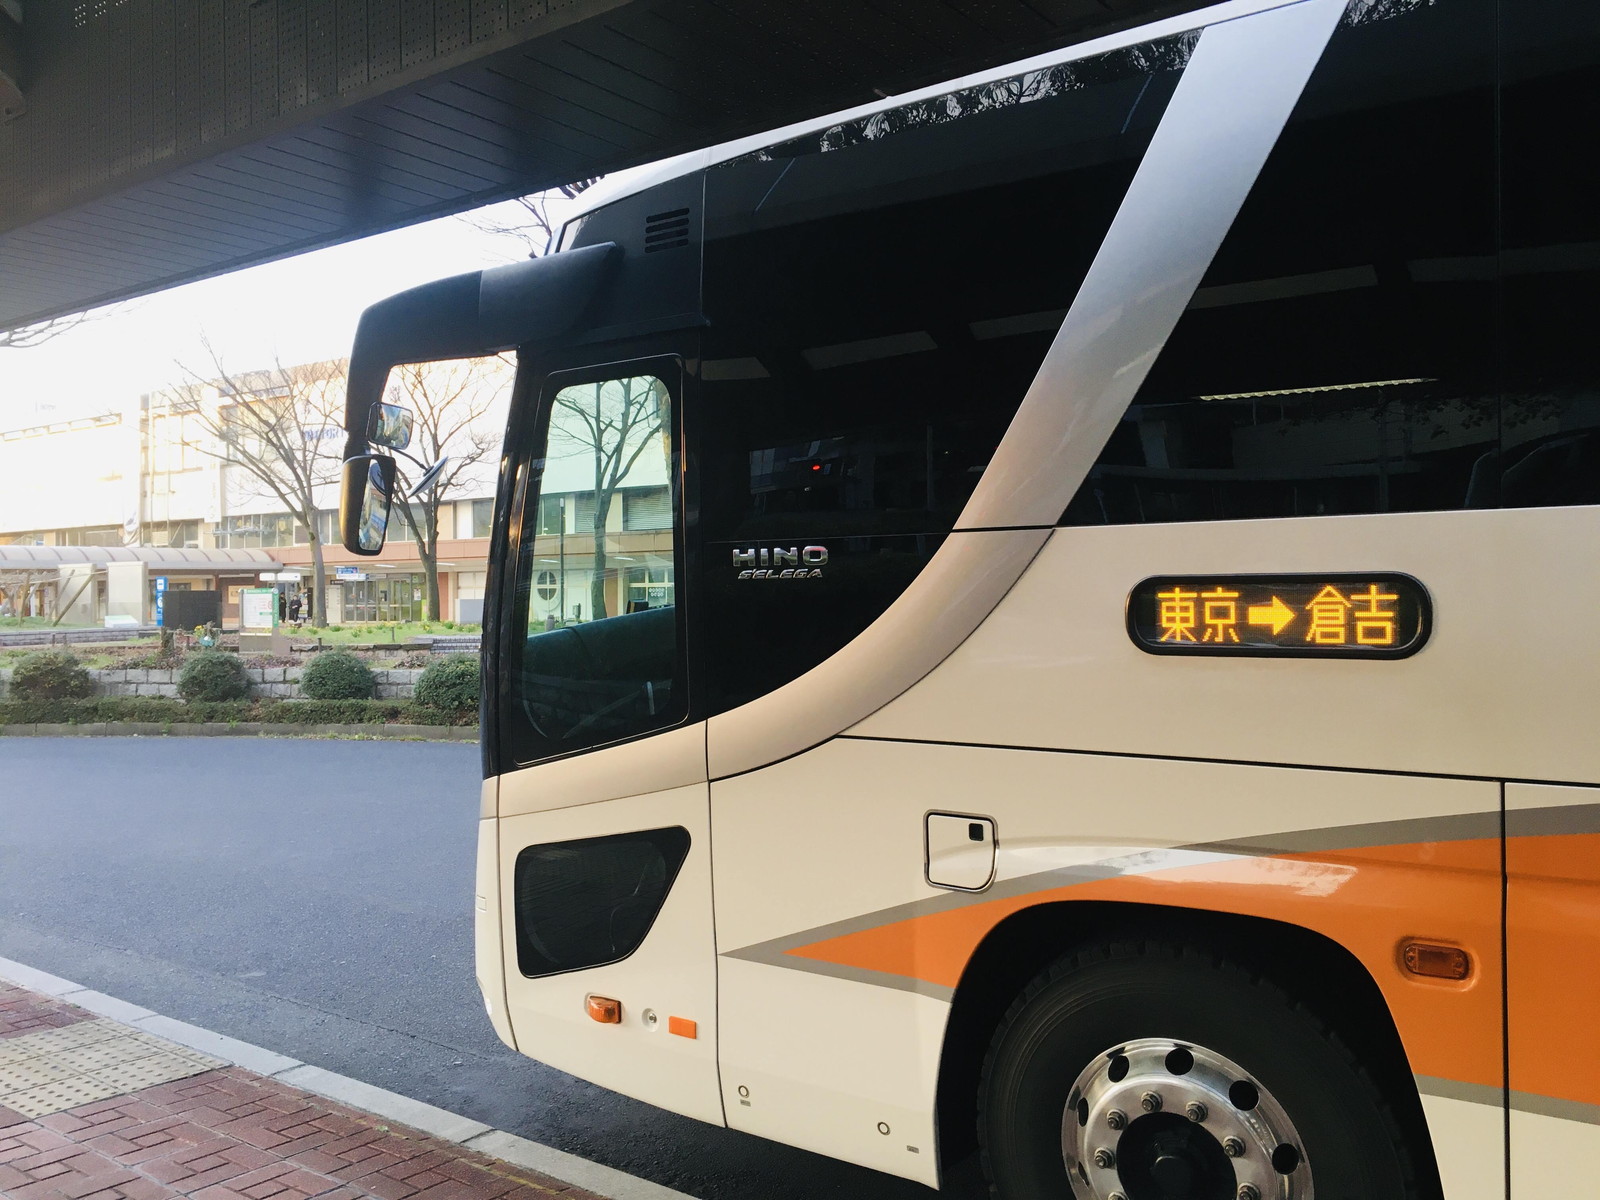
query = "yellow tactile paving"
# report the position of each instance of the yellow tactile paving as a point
(57, 1069)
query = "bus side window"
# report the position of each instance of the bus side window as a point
(595, 619)
(880, 295)
(1339, 355)
(1550, 261)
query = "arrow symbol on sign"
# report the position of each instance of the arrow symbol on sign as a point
(1277, 614)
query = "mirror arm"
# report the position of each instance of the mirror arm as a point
(468, 316)
(410, 458)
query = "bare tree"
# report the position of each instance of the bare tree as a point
(614, 422)
(1162, 55)
(449, 403)
(274, 426)
(536, 231)
(44, 587)
(42, 331)
(18, 585)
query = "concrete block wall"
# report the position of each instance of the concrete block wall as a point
(135, 682)
(276, 683)
(397, 683)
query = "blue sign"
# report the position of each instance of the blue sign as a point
(161, 596)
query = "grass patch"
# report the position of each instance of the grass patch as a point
(379, 634)
(37, 623)
(94, 658)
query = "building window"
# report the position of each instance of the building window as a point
(552, 515)
(175, 442)
(649, 587)
(482, 517)
(583, 512)
(257, 531)
(100, 535)
(399, 528)
(175, 534)
(647, 508)
(544, 585)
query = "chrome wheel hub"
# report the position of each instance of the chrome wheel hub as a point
(1158, 1119)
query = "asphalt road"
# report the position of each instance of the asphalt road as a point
(315, 898)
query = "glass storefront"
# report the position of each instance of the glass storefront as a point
(389, 598)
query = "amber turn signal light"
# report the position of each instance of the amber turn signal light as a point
(606, 1011)
(1435, 962)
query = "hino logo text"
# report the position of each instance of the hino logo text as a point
(794, 562)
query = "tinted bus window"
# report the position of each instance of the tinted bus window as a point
(1551, 255)
(595, 619)
(1339, 355)
(880, 295)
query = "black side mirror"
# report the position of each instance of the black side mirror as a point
(365, 494)
(389, 425)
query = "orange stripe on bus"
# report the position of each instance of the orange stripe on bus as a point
(1553, 955)
(1367, 900)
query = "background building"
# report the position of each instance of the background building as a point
(169, 486)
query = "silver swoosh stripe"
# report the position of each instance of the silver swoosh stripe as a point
(1528, 1102)
(776, 952)
(1457, 827)
(1555, 820)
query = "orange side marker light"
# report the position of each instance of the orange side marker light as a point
(606, 1011)
(683, 1027)
(1435, 962)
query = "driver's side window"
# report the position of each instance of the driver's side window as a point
(597, 626)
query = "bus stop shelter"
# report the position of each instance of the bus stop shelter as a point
(89, 585)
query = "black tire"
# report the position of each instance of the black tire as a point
(1107, 996)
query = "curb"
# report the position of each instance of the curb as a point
(441, 1123)
(427, 733)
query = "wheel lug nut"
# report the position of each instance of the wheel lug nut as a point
(1116, 1118)
(1150, 1102)
(1248, 1191)
(1104, 1159)
(1195, 1111)
(1232, 1147)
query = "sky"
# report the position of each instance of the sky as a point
(296, 310)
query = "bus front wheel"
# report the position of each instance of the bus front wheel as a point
(1150, 1072)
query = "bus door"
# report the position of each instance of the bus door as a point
(603, 844)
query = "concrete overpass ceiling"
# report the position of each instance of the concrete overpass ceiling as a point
(161, 141)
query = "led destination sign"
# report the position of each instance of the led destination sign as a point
(1333, 616)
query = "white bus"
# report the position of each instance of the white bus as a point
(1052, 616)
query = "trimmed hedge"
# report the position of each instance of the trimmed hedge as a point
(452, 684)
(163, 710)
(50, 675)
(336, 675)
(213, 675)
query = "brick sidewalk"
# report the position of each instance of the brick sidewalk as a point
(167, 1121)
